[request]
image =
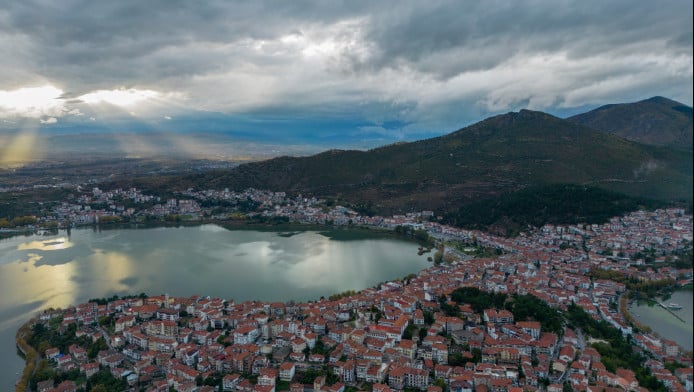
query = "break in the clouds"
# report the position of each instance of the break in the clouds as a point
(319, 68)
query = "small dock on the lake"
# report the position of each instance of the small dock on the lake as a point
(671, 312)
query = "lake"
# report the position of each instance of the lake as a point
(664, 323)
(37, 272)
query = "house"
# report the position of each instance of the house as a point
(337, 387)
(554, 388)
(264, 388)
(381, 388)
(230, 381)
(77, 352)
(124, 322)
(66, 386)
(434, 388)
(345, 370)
(532, 328)
(245, 334)
(298, 345)
(626, 378)
(190, 357)
(417, 319)
(89, 368)
(439, 353)
(267, 376)
(417, 378)
(52, 353)
(297, 357)
(43, 386)
(65, 362)
(318, 383)
(376, 373)
(406, 348)
(460, 385)
(162, 328)
(671, 348)
(287, 370)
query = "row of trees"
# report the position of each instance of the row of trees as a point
(18, 221)
(638, 289)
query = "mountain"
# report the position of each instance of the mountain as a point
(503, 153)
(657, 121)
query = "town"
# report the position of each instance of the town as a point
(428, 331)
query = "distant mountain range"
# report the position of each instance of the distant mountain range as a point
(658, 121)
(500, 154)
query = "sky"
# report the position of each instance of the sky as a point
(328, 73)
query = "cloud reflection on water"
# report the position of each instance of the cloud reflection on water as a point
(47, 245)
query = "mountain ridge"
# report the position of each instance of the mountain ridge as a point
(502, 153)
(656, 121)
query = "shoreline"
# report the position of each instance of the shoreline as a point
(645, 328)
(227, 224)
(31, 356)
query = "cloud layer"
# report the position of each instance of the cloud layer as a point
(424, 66)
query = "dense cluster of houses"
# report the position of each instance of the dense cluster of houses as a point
(91, 207)
(163, 342)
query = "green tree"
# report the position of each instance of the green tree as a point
(407, 334)
(428, 317)
(94, 349)
(476, 355)
(422, 333)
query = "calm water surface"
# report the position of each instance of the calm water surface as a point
(664, 323)
(56, 271)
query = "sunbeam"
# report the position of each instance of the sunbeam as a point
(23, 147)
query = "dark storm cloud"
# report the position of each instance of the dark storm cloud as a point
(484, 34)
(433, 65)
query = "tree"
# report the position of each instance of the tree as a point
(428, 318)
(94, 349)
(476, 355)
(456, 359)
(422, 333)
(407, 334)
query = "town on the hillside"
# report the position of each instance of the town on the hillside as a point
(468, 323)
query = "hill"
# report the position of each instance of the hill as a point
(511, 212)
(500, 154)
(656, 121)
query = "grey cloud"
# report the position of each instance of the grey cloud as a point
(428, 64)
(482, 34)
